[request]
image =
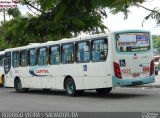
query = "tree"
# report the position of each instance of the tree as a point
(56, 19)
(156, 41)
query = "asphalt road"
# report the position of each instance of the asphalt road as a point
(120, 99)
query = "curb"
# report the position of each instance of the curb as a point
(150, 85)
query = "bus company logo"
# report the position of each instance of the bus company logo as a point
(39, 71)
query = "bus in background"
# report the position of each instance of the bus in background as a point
(8, 64)
(1, 68)
(156, 52)
(99, 62)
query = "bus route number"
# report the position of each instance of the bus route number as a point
(126, 71)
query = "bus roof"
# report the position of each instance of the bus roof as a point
(2, 52)
(68, 40)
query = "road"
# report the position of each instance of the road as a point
(120, 99)
(157, 80)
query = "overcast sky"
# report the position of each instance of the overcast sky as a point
(134, 21)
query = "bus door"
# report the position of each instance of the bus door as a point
(134, 56)
(45, 75)
(7, 68)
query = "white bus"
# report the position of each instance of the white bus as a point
(100, 62)
(1, 68)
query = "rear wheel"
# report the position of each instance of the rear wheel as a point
(18, 87)
(70, 87)
(104, 90)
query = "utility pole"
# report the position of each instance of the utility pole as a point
(4, 15)
(3, 11)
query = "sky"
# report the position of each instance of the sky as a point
(134, 21)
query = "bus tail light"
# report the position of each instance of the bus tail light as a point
(117, 70)
(152, 68)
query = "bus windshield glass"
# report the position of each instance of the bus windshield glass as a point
(132, 42)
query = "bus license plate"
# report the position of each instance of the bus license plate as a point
(145, 69)
(135, 74)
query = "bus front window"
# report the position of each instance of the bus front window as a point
(132, 42)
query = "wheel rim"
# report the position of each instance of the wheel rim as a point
(19, 85)
(70, 87)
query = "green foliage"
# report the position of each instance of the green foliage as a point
(155, 14)
(14, 12)
(156, 41)
(57, 19)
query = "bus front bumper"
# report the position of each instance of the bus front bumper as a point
(132, 82)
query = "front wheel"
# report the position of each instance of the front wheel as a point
(103, 90)
(18, 87)
(3, 81)
(70, 87)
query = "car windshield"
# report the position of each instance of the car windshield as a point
(132, 42)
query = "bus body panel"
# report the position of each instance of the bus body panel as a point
(134, 66)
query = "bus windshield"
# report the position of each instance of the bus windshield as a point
(132, 42)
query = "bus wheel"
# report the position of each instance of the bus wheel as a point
(18, 87)
(3, 82)
(104, 90)
(70, 87)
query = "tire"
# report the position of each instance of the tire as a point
(3, 81)
(70, 87)
(18, 87)
(104, 90)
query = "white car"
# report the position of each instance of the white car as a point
(157, 64)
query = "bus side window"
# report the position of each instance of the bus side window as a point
(7, 62)
(32, 57)
(99, 49)
(23, 58)
(42, 56)
(1, 60)
(15, 59)
(54, 55)
(67, 53)
(82, 52)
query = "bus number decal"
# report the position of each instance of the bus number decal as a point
(145, 69)
(84, 67)
(126, 71)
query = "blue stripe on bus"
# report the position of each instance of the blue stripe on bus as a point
(128, 82)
